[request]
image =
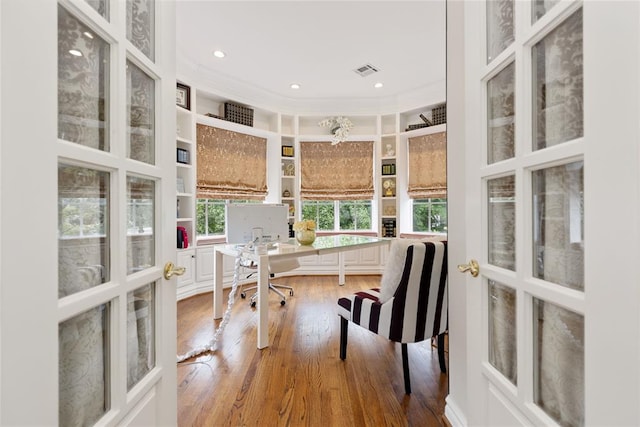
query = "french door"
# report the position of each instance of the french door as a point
(551, 194)
(88, 200)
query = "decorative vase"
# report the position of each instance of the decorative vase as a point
(306, 237)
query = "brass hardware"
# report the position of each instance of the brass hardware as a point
(473, 267)
(172, 270)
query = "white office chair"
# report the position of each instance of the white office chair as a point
(275, 266)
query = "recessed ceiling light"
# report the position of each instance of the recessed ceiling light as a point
(88, 35)
(378, 85)
(75, 52)
(295, 86)
(219, 54)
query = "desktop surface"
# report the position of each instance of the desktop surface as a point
(322, 245)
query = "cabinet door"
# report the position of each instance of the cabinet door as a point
(204, 264)
(187, 259)
(369, 256)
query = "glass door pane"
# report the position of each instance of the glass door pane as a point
(140, 224)
(84, 367)
(500, 27)
(83, 81)
(503, 351)
(502, 222)
(558, 225)
(140, 114)
(559, 363)
(140, 26)
(83, 229)
(501, 115)
(558, 81)
(141, 356)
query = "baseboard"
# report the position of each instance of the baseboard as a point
(453, 415)
(198, 288)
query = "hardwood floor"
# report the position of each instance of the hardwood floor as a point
(299, 380)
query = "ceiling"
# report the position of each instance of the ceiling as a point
(317, 44)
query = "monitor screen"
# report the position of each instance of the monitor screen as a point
(246, 221)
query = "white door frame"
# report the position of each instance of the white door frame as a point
(29, 304)
(612, 198)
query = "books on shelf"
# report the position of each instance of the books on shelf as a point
(388, 227)
(389, 169)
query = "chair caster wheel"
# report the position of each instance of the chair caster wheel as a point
(243, 295)
(252, 304)
(283, 302)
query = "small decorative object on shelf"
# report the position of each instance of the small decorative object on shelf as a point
(439, 114)
(182, 156)
(183, 96)
(287, 151)
(305, 231)
(340, 128)
(183, 238)
(286, 193)
(389, 169)
(289, 169)
(237, 113)
(389, 210)
(390, 152)
(389, 185)
(389, 227)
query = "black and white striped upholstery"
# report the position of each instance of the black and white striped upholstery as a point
(417, 311)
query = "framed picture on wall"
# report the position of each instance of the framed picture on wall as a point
(183, 96)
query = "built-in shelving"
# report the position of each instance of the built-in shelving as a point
(388, 131)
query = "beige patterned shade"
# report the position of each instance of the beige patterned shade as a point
(230, 165)
(428, 166)
(336, 172)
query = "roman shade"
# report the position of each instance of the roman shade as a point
(336, 172)
(428, 166)
(231, 165)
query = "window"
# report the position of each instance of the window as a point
(210, 216)
(355, 215)
(343, 215)
(430, 215)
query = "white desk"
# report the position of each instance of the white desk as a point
(323, 245)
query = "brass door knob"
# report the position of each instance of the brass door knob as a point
(171, 270)
(473, 267)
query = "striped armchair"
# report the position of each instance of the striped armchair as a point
(410, 306)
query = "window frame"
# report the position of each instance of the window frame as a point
(336, 205)
(430, 203)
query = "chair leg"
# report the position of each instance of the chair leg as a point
(344, 327)
(441, 358)
(405, 368)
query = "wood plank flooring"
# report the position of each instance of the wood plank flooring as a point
(299, 380)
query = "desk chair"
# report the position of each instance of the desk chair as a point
(275, 266)
(411, 304)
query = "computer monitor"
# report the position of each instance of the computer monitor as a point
(270, 219)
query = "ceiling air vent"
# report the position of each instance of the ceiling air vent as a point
(365, 70)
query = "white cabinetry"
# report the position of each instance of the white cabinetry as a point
(392, 207)
(187, 258)
(204, 263)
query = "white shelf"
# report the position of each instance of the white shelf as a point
(183, 140)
